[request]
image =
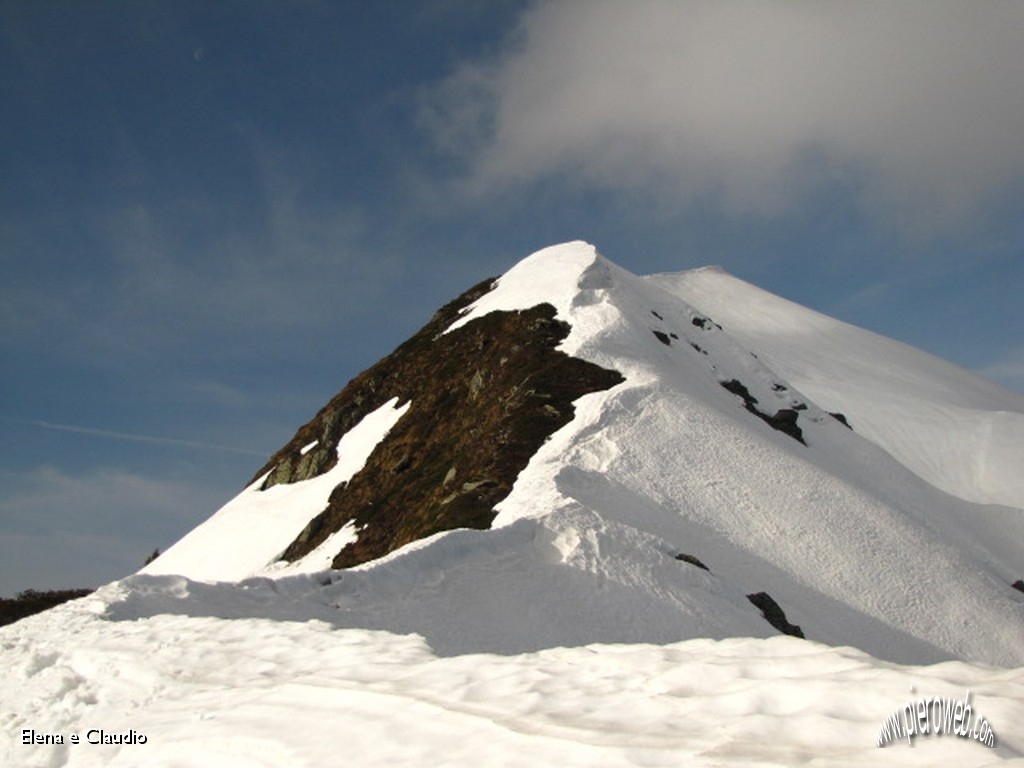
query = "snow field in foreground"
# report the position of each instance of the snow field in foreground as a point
(260, 692)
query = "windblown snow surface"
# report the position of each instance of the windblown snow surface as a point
(570, 633)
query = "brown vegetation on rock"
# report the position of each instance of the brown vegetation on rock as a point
(483, 399)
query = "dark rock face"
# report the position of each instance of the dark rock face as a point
(774, 614)
(483, 399)
(841, 418)
(783, 420)
(705, 322)
(692, 560)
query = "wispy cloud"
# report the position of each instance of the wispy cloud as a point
(287, 264)
(111, 434)
(915, 108)
(252, 261)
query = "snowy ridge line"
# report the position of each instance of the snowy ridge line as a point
(550, 275)
(842, 469)
(962, 433)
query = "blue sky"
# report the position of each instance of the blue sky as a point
(214, 214)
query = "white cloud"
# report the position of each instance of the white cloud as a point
(917, 107)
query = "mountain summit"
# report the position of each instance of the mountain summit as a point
(572, 454)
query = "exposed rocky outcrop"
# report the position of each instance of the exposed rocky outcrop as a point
(483, 399)
(784, 420)
(692, 560)
(841, 418)
(774, 614)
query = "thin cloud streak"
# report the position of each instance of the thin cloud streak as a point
(136, 438)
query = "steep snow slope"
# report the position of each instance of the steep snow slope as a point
(958, 431)
(704, 450)
(855, 548)
(248, 533)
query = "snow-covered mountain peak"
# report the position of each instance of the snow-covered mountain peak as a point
(607, 432)
(554, 275)
(575, 485)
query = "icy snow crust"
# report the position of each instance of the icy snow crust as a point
(570, 634)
